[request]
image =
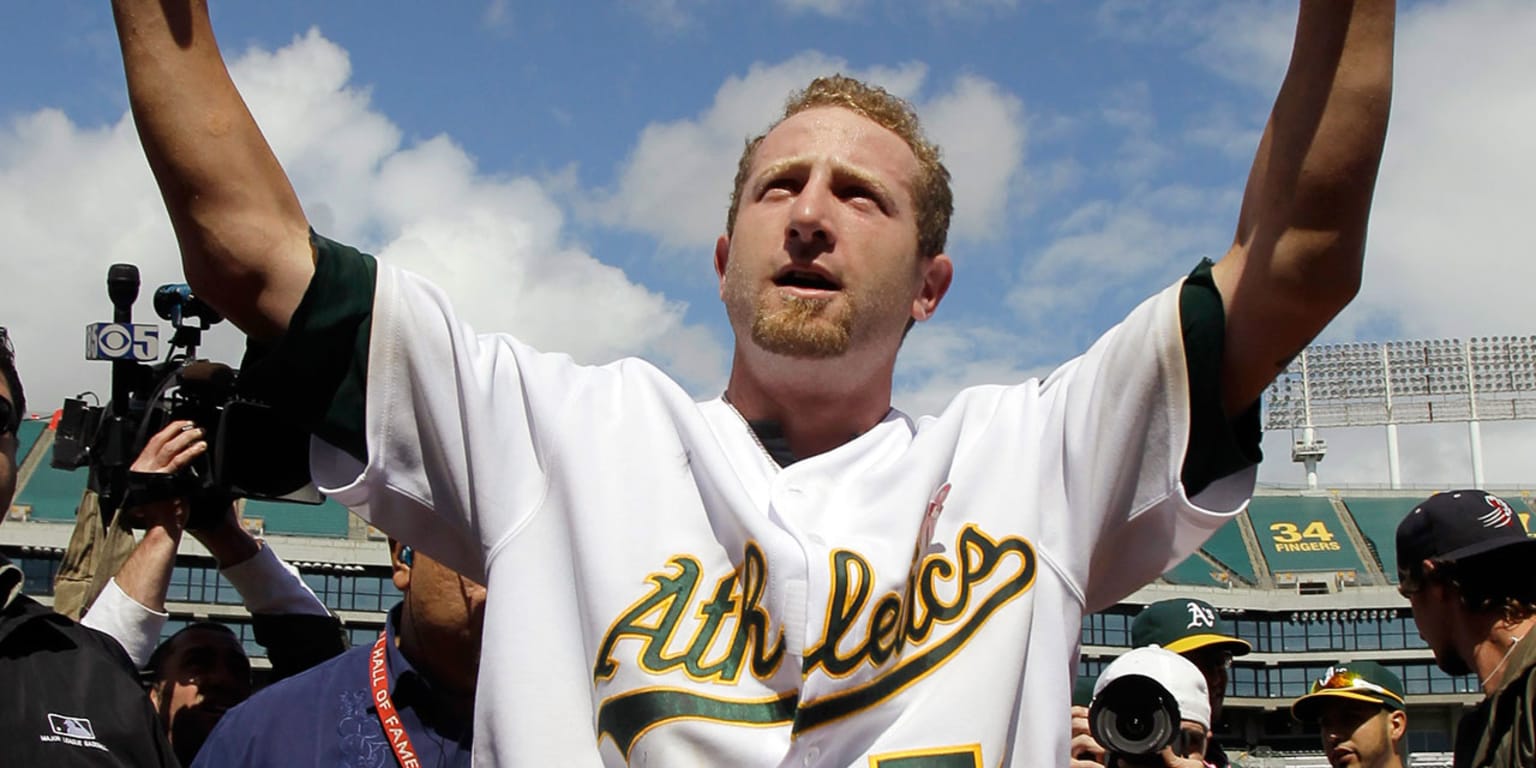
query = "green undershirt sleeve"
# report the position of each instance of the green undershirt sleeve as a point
(318, 370)
(1217, 446)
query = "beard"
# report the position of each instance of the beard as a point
(1452, 664)
(803, 328)
(815, 328)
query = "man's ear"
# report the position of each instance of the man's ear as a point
(722, 257)
(400, 571)
(1397, 724)
(937, 271)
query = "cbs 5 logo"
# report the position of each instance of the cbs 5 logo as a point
(122, 341)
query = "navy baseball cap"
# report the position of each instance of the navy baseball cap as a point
(1457, 525)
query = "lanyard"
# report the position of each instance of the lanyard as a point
(389, 718)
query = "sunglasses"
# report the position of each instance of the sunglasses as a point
(10, 419)
(1344, 680)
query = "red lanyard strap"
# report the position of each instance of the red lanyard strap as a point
(389, 718)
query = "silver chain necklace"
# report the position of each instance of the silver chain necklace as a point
(726, 398)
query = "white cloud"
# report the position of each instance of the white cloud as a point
(833, 8)
(1140, 155)
(676, 183)
(1222, 129)
(665, 15)
(1107, 252)
(1447, 226)
(75, 199)
(497, 14)
(841, 9)
(1450, 249)
(980, 129)
(1248, 42)
(1448, 254)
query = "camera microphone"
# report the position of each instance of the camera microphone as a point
(123, 290)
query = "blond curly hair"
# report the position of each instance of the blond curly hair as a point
(931, 194)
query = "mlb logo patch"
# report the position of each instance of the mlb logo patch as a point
(73, 727)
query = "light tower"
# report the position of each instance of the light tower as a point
(1427, 381)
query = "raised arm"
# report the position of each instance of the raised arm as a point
(1296, 259)
(243, 236)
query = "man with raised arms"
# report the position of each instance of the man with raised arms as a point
(793, 572)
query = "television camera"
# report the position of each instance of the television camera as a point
(253, 451)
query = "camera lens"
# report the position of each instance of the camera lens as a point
(1134, 716)
(1136, 726)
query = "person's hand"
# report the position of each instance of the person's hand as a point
(1171, 760)
(167, 452)
(171, 449)
(227, 540)
(1085, 752)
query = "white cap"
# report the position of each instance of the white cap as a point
(1173, 672)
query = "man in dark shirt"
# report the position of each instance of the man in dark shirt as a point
(71, 695)
(410, 695)
(1463, 562)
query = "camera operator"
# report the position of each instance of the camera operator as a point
(202, 671)
(71, 694)
(1195, 630)
(1172, 734)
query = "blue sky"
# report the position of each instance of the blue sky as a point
(562, 169)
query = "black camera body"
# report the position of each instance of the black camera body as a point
(1134, 718)
(253, 450)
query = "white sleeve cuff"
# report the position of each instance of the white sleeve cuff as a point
(268, 585)
(133, 625)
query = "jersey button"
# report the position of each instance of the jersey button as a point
(811, 755)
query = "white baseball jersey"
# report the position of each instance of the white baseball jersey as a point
(662, 593)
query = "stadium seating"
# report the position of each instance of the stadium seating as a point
(1302, 534)
(27, 435)
(328, 520)
(1197, 571)
(1226, 547)
(1377, 519)
(50, 494)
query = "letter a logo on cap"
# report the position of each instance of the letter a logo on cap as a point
(1200, 617)
(1500, 517)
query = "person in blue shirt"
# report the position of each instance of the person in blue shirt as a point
(407, 699)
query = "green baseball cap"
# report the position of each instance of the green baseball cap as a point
(1182, 625)
(1354, 680)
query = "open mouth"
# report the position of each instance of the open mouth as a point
(808, 279)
